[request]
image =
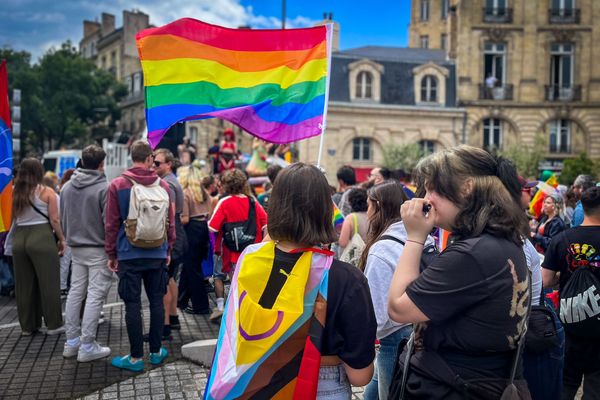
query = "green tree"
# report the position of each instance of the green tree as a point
(403, 157)
(527, 158)
(581, 164)
(66, 99)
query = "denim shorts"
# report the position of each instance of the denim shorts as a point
(333, 383)
(218, 269)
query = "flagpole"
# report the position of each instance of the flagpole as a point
(324, 125)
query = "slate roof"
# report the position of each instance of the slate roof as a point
(397, 80)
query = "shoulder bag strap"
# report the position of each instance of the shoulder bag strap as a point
(389, 237)
(355, 223)
(409, 350)
(521, 344)
(37, 210)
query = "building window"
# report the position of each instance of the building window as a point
(445, 8)
(427, 146)
(104, 62)
(113, 59)
(424, 10)
(425, 42)
(193, 135)
(495, 7)
(129, 84)
(444, 41)
(137, 82)
(560, 136)
(492, 134)
(429, 89)
(361, 149)
(494, 64)
(364, 85)
(563, 8)
(561, 65)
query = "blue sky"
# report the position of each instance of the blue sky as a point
(36, 25)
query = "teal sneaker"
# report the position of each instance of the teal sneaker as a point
(158, 358)
(126, 363)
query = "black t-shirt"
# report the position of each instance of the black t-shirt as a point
(475, 294)
(350, 325)
(572, 248)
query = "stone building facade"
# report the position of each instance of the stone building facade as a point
(386, 95)
(114, 50)
(524, 68)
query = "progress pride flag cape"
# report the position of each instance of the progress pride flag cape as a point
(6, 161)
(272, 83)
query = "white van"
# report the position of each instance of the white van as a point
(58, 161)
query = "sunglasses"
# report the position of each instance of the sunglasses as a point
(158, 163)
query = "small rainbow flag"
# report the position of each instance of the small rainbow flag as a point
(544, 189)
(6, 159)
(338, 218)
(272, 83)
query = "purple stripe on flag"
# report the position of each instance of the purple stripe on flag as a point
(263, 335)
(250, 121)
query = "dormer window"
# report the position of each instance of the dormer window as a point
(364, 78)
(364, 85)
(429, 89)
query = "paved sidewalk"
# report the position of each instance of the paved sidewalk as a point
(33, 367)
(179, 380)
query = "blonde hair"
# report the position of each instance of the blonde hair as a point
(191, 177)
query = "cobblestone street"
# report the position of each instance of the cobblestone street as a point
(33, 367)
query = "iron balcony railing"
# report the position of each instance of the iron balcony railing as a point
(502, 15)
(564, 15)
(504, 92)
(559, 93)
(560, 148)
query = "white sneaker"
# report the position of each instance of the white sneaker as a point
(70, 351)
(216, 314)
(56, 331)
(95, 353)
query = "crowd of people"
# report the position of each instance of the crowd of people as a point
(508, 308)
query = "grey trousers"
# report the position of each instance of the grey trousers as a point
(90, 282)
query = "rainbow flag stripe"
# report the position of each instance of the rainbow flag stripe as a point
(338, 218)
(271, 83)
(6, 159)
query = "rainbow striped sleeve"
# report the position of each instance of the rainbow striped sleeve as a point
(271, 83)
(6, 159)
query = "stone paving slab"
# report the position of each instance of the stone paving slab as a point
(33, 367)
(181, 380)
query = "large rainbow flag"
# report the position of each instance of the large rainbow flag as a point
(6, 161)
(271, 83)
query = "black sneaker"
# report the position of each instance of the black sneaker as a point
(174, 320)
(190, 310)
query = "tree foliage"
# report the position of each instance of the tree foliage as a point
(403, 157)
(65, 98)
(527, 158)
(581, 164)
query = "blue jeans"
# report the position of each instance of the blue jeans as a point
(385, 363)
(333, 384)
(544, 372)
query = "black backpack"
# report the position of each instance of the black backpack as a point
(429, 252)
(239, 235)
(579, 307)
